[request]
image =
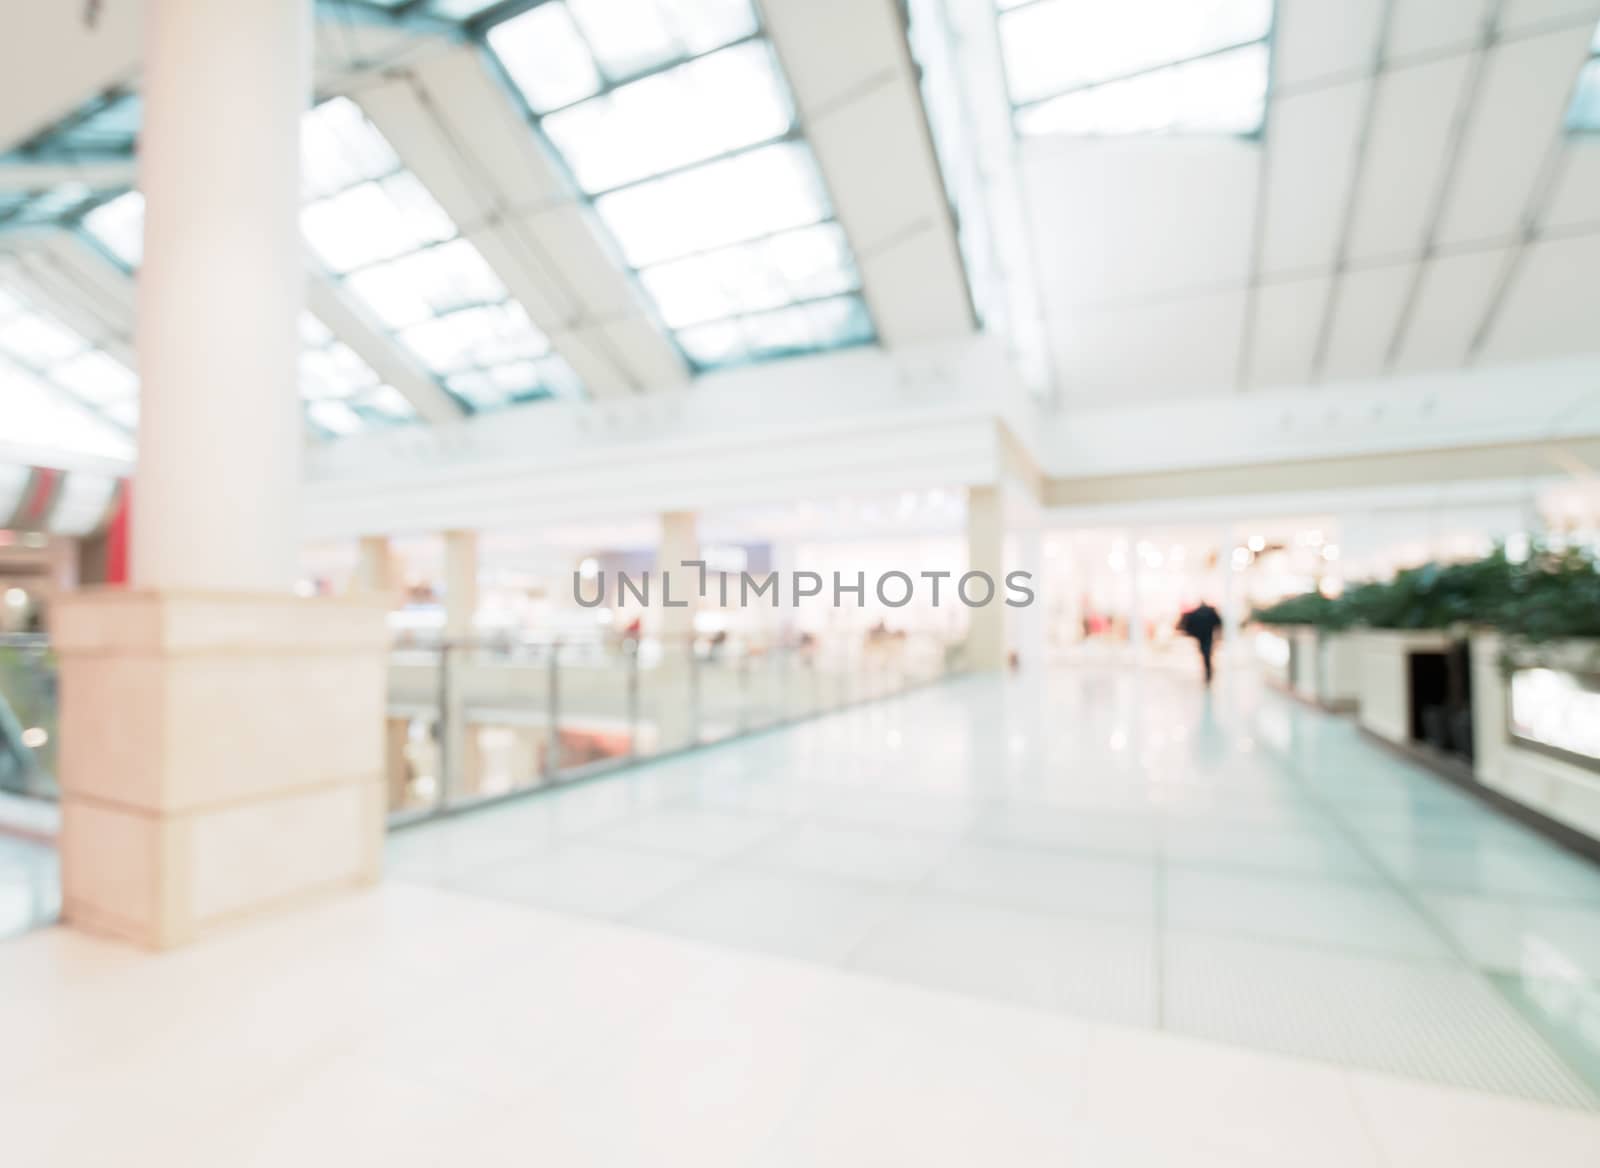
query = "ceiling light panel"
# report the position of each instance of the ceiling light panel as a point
(1137, 66)
(675, 120)
(95, 395)
(380, 232)
(1583, 115)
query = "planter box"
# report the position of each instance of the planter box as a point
(1273, 647)
(1303, 667)
(1339, 679)
(1541, 760)
(1326, 667)
(1384, 672)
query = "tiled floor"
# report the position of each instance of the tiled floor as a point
(1114, 846)
(1108, 923)
(412, 1026)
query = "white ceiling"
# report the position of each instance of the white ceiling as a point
(456, 124)
(1415, 204)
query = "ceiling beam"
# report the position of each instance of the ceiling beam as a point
(29, 176)
(862, 112)
(459, 129)
(348, 321)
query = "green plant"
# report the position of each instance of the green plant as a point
(1549, 595)
(1555, 594)
(1438, 596)
(1310, 608)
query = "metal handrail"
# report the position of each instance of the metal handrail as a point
(709, 690)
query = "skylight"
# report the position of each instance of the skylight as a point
(376, 228)
(43, 208)
(674, 118)
(1583, 114)
(33, 413)
(118, 226)
(1137, 66)
(58, 389)
(341, 392)
(378, 231)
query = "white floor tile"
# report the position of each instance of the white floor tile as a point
(1096, 969)
(1423, 1124)
(829, 849)
(772, 912)
(692, 831)
(584, 878)
(1051, 881)
(1363, 917)
(1157, 1099)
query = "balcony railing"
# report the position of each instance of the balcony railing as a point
(482, 720)
(474, 721)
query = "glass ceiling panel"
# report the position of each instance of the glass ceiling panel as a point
(378, 230)
(675, 119)
(41, 357)
(118, 225)
(340, 148)
(807, 264)
(1223, 94)
(330, 371)
(1137, 66)
(342, 393)
(628, 37)
(109, 129)
(427, 283)
(710, 106)
(787, 332)
(546, 57)
(45, 208)
(33, 413)
(374, 221)
(1583, 115)
(376, 227)
(752, 194)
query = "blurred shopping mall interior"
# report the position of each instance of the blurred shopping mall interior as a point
(800, 582)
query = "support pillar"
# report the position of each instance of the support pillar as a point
(377, 569)
(677, 699)
(1135, 598)
(221, 739)
(986, 533)
(460, 584)
(462, 763)
(1027, 624)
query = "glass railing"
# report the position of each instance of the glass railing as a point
(28, 704)
(475, 721)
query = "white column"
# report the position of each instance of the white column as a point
(680, 541)
(677, 699)
(216, 493)
(463, 764)
(460, 584)
(376, 569)
(1135, 601)
(222, 740)
(1027, 624)
(986, 533)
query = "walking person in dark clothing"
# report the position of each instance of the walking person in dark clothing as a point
(1202, 622)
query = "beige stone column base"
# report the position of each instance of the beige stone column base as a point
(221, 755)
